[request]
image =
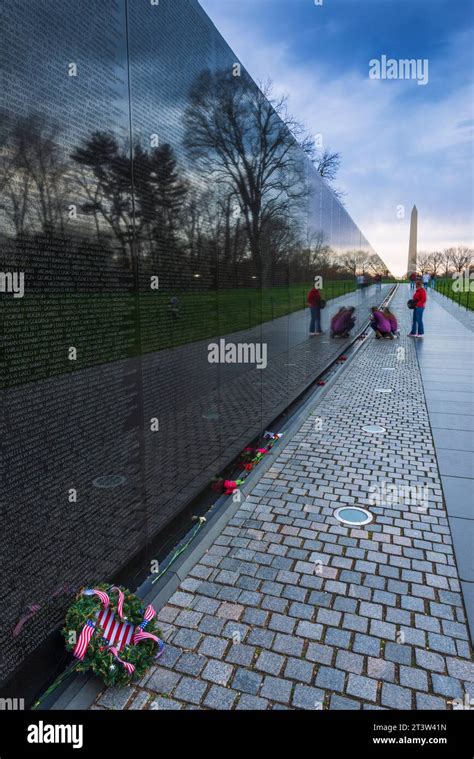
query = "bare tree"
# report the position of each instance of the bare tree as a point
(245, 139)
(460, 257)
(424, 262)
(447, 253)
(436, 261)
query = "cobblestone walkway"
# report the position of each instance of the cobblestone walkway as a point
(291, 609)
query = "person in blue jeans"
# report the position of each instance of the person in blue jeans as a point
(314, 303)
(417, 328)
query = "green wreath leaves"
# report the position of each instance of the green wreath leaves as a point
(98, 657)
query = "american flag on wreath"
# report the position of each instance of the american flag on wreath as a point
(87, 631)
(116, 633)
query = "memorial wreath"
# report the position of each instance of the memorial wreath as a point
(110, 632)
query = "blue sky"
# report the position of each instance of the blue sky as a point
(401, 143)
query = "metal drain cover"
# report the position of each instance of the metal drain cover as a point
(353, 515)
(374, 428)
(109, 481)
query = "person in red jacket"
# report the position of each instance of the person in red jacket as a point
(314, 303)
(419, 297)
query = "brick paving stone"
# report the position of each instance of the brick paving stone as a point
(276, 689)
(339, 702)
(332, 679)
(218, 672)
(252, 703)
(190, 664)
(362, 687)
(211, 625)
(464, 670)
(255, 616)
(309, 630)
(302, 611)
(187, 638)
(430, 660)
(402, 654)
(247, 681)
(380, 669)
(270, 663)
(424, 701)
(220, 698)
(413, 677)
(240, 653)
(181, 599)
(230, 611)
(212, 646)
(116, 698)
(339, 638)
(319, 653)
(281, 623)
(190, 690)
(298, 669)
(170, 656)
(445, 685)
(165, 704)
(260, 637)
(441, 643)
(396, 697)
(350, 662)
(364, 644)
(139, 702)
(162, 680)
(308, 698)
(287, 644)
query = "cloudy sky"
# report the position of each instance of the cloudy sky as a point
(400, 142)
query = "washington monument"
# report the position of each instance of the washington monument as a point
(413, 239)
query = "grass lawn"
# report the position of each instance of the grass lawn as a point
(445, 286)
(40, 329)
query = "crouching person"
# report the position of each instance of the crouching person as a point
(380, 324)
(393, 322)
(342, 322)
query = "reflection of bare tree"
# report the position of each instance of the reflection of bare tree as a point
(139, 198)
(355, 261)
(33, 175)
(245, 141)
(327, 164)
(375, 265)
(105, 180)
(323, 260)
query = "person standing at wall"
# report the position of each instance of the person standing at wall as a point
(314, 303)
(419, 297)
(426, 279)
